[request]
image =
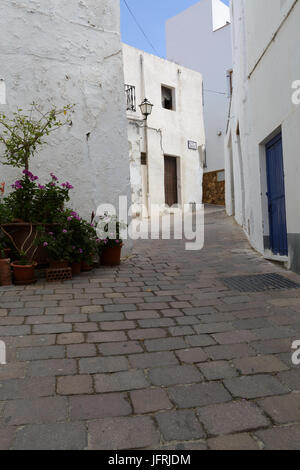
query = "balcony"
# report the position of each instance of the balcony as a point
(130, 98)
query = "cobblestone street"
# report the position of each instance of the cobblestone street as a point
(155, 354)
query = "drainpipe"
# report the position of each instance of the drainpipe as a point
(147, 166)
(143, 89)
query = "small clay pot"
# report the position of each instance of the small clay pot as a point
(5, 272)
(76, 269)
(86, 267)
(111, 256)
(23, 274)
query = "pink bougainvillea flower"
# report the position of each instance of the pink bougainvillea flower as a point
(17, 185)
(117, 241)
(65, 231)
(67, 185)
(53, 177)
(27, 173)
(41, 186)
(45, 244)
(80, 250)
(30, 175)
(69, 218)
(75, 215)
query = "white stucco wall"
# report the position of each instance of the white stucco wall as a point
(263, 19)
(262, 104)
(200, 47)
(168, 130)
(220, 14)
(70, 52)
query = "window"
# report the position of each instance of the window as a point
(130, 97)
(143, 158)
(168, 97)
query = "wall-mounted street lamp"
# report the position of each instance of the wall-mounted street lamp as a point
(146, 108)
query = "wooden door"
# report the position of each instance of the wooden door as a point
(276, 197)
(171, 190)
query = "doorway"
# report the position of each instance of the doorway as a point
(231, 176)
(276, 197)
(171, 182)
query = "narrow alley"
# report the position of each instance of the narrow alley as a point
(156, 354)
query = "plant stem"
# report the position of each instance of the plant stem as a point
(27, 155)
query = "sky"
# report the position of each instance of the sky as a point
(151, 15)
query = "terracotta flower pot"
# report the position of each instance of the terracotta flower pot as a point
(5, 272)
(20, 230)
(76, 269)
(23, 274)
(85, 267)
(111, 256)
(61, 264)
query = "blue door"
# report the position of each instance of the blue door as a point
(276, 197)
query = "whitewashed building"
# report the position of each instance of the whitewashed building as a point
(263, 138)
(200, 38)
(166, 155)
(58, 53)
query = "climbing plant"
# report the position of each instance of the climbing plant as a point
(24, 132)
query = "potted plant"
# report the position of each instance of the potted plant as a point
(58, 245)
(83, 240)
(2, 253)
(5, 269)
(5, 250)
(73, 241)
(24, 267)
(29, 204)
(76, 260)
(108, 231)
(89, 245)
(23, 270)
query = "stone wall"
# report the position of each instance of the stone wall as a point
(214, 188)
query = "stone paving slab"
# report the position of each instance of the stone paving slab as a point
(154, 354)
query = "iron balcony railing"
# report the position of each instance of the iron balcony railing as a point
(130, 97)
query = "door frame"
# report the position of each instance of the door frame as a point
(178, 177)
(268, 144)
(230, 183)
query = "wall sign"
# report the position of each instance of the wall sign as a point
(192, 145)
